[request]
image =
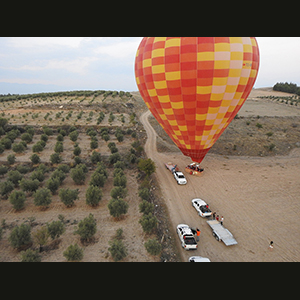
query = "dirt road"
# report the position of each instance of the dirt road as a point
(258, 197)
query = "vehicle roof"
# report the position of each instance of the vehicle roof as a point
(178, 173)
(200, 201)
(185, 229)
(199, 259)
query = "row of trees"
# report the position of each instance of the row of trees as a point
(287, 87)
(11, 97)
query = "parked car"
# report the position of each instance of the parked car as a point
(201, 207)
(179, 177)
(186, 237)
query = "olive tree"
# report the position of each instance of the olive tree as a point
(87, 228)
(20, 236)
(17, 199)
(73, 253)
(42, 197)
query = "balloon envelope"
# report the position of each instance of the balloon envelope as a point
(194, 86)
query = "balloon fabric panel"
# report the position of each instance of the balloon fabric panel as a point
(195, 86)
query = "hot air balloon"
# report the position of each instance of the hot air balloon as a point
(195, 86)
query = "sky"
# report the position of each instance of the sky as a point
(50, 64)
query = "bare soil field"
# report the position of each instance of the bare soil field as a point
(258, 195)
(63, 112)
(251, 178)
(262, 128)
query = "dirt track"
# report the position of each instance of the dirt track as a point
(258, 197)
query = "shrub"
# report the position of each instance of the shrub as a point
(35, 158)
(38, 174)
(93, 195)
(113, 158)
(55, 229)
(60, 137)
(41, 236)
(18, 148)
(6, 142)
(30, 256)
(153, 247)
(15, 176)
(42, 197)
(53, 184)
(117, 250)
(146, 207)
(87, 228)
(97, 179)
(118, 192)
(105, 137)
(59, 147)
(44, 137)
(65, 168)
(77, 160)
(119, 164)
(23, 169)
(77, 151)
(26, 137)
(55, 158)
(60, 175)
(144, 193)
(68, 196)
(73, 253)
(94, 144)
(17, 199)
(96, 157)
(78, 174)
(132, 158)
(258, 125)
(6, 187)
(13, 134)
(48, 131)
(11, 159)
(120, 180)
(120, 137)
(20, 236)
(73, 135)
(147, 166)
(38, 147)
(148, 222)
(117, 207)
(29, 185)
(3, 170)
(44, 169)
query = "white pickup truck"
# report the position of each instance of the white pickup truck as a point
(186, 237)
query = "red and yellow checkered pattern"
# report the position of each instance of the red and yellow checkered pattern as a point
(194, 86)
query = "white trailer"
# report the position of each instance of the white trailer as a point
(221, 233)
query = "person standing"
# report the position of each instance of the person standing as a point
(198, 234)
(214, 215)
(222, 219)
(271, 246)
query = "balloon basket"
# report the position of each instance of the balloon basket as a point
(194, 169)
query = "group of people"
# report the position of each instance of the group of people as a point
(218, 218)
(195, 168)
